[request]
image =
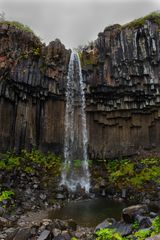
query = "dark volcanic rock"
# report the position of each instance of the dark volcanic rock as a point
(132, 213)
(121, 71)
(45, 235)
(22, 234)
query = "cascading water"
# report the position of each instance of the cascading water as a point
(75, 171)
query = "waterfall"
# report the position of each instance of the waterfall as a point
(75, 171)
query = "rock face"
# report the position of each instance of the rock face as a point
(122, 76)
(121, 72)
(31, 91)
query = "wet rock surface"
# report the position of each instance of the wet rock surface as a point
(121, 72)
(37, 225)
(123, 90)
(129, 213)
(46, 229)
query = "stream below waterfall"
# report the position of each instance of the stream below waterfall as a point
(90, 212)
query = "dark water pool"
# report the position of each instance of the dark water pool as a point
(89, 212)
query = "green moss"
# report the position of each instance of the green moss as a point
(107, 233)
(87, 59)
(36, 51)
(5, 195)
(21, 27)
(29, 169)
(141, 234)
(9, 161)
(153, 17)
(156, 225)
(32, 52)
(24, 55)
(18, 25)
(127, 173)
(46, 161)
(29, 161)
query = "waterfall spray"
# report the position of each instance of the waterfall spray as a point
(76, 139)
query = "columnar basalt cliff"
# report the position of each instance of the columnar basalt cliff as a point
(32, 80)
(123, 82)
(121, 71)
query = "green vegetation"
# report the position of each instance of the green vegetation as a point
(87, 59)
(154, 17)
(134, 174)
(156, 225)
(6, 195)
(77, 163)
(17, 25)
(142, 234)
(36, 51)
(30, 161)
(135, 225)
(9, 161)
(107, 233)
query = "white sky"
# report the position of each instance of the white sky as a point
(74, 22)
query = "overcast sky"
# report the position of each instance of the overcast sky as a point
(74, 22)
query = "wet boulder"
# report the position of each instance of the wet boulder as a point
(129, 214)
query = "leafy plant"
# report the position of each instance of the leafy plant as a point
(6, 195)
(135, 225)
(47, 161)
(36, 51)
(9, 161)
(142, 234)
(29, 170)
(128, 173)
(107, 233)
(156, 224)
(27, 161)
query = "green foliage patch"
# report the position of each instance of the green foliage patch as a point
(107, 233)
(6, 195)
(18, 25)
(153, 17)
(135, 174)
(156, 225)
(29, 162)
(141, 234)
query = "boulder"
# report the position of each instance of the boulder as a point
(66, 235)
(45, 235)
(22, 234)
(105, 224)
(12, 235)
(156, 237)
(144, 222)
(56, 232)
(129, 213)
(124, 229)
